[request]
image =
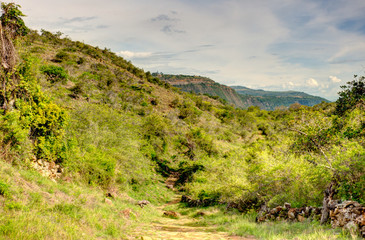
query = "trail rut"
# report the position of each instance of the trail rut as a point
(183, 227)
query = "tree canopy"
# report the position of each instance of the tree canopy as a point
(352, 95)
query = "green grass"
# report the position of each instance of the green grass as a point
(35, 207)
(244, 225)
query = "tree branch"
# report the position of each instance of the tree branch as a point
(317, 145)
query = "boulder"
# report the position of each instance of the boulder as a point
(170, 214)
(143, 203)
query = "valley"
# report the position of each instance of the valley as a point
(94, 147)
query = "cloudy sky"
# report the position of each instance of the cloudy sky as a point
(307, 45)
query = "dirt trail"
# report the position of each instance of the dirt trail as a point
(183, 227)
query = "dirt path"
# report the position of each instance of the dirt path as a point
(183, 227)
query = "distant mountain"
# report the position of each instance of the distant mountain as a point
(272, 99)
(240, 96)
(203, 85)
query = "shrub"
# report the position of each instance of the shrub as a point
(54, 73)
(188, 112)
(4, 189)
(155, 131)
(62, 56)
(97, 168)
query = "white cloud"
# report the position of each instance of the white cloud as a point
(269, 42)
(334, 79)
(129, 54)
(312, 82)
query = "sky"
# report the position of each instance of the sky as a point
(314, 46)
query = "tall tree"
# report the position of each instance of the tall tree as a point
(12, 26)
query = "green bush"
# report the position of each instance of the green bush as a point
(98, 168)
(54, 73)
(4, 189)
(62, 56)
(188, 112)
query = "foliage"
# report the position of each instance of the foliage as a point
(54, 73)
(4, 189)
(11, 20)
(351, 96)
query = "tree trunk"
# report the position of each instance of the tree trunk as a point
(328, 197)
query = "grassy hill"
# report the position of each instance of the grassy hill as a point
(85, 135)
(241, 97)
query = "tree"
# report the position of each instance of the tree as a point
(316, 135)
(12, 26)
(352, 95)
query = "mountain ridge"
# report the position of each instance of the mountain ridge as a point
(240, 96)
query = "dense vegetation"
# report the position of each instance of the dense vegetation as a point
(114, 127)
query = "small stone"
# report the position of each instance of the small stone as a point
(301, 218)
(352, 227)
(200, 214)
(108, 201)
(171, 214)
(126, 212)
(143, 203)
(111, 194)
(291, 214)
(287, 205)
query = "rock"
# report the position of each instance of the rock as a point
(351, 204)
(291, 214)
(200, 214)
(352, 227)
(170, 214)
(276, 210)
(126, 213)
(51, 166)
(300, 218)
(143, 203)
(111, 194)
(287, 205)
(349, 214)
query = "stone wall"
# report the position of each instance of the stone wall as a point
(348, 214)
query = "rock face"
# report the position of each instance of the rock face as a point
(241, 97)
(349, 215)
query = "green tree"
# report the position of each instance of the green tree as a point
(11, 27)
(352, 95)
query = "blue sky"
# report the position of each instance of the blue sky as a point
(307, 45)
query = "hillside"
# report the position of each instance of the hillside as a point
(203, 85)
(241, 97)
(87, 139)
